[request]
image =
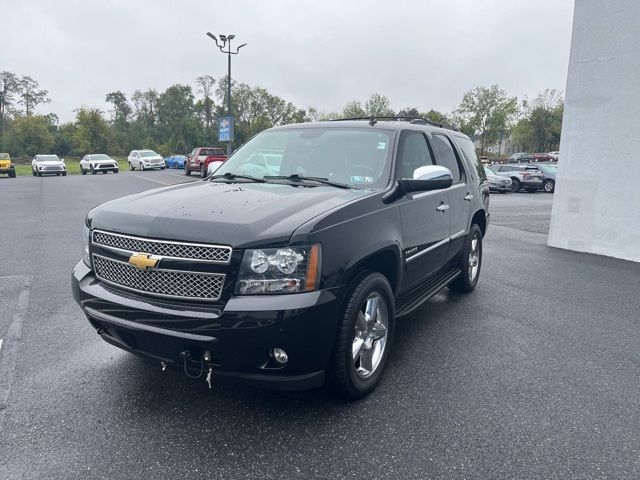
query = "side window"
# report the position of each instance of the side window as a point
(446, 156)
(413, 152)
(469, 153)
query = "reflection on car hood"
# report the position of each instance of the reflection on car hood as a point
(50, 162)
(238, 214)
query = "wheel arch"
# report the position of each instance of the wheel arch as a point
(480, 219)
(385, 261)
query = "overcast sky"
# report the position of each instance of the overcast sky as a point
(421, 53)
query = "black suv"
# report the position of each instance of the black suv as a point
(288, 268)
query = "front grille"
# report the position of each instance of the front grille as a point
(54, 167)
(179, 250)
(159, 282)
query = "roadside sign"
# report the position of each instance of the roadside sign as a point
(225, 129)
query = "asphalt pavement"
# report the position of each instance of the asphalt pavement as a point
(533, 375)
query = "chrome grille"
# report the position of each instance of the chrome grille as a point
(179, 250)
(159, 282)
(52, 167)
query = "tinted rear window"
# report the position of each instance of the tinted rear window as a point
(212, 151)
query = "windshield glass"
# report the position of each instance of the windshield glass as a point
(355, 157)
(47, 158)
(148, 153)
(100, 156)
(548, 168)
(217, 152)
(4, 156)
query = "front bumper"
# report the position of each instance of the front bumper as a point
(239, 335)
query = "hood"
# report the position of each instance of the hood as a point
(241, 214)
(155, 157)
(111, 160)
(50, 162)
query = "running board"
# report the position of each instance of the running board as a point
(412, 299)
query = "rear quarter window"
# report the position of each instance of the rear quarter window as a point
(470, 156)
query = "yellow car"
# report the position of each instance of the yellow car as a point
(6, 166)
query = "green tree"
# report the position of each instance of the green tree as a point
(206, 85)
(9, 88)
(353, 109)
(91, 133)
(177, 124)
(486, 112)
(30, 95)
(29, 136)
(378, 106)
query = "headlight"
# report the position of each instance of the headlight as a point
(86, 233)
(279, 270)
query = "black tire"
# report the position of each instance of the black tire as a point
(93, 170)
(39, 174)
(82, 170)
(142, 169)
(33, 172)
(115, 171)
(203, 173)
(515, 185)
(162, 168)
(64, 174)
(342, 375)
(466, 282)
(187, 172)
(12, 174)
(131, 167)
(549, 186)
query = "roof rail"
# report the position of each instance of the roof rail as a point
(373, 119)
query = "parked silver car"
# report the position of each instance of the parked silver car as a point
(145, 159)
(497, 183)
(522, 176)
(98, 162)
(48, 165)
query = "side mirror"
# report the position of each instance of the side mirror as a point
(426, 178)
(62, 160)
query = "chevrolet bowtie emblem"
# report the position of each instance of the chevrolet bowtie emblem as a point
(143, 261)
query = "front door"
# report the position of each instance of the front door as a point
(425, 215)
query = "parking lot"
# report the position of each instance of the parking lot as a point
(533, 375)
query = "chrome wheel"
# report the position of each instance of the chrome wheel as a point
(370, 336)
(474, 258)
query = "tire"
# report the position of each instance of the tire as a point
(515, 185)
(187, 172)
(203, 173)
(12, 174)
(64, 174)
(33, 172)
(131, 167)
(82, 170)
(39, 174)
(93, 170)
(162, 168)
(115, 171)
(349, 376)
(142, 169)
(549, 186)
(470, 262)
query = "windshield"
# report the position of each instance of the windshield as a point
(355, 157)
(100, 156)
(4, 156)
(217, 152)
(47, 158)
(148, 153)
(548, 168)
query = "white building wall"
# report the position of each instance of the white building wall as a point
(596, 208)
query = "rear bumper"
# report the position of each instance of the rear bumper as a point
(238, 335)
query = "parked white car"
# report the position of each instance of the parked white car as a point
(554, 155)
(212, 167)
(48, 165)
(145, 159)
(98, 162)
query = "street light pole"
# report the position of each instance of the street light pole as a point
(225, 40)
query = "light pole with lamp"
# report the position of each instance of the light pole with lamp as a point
(225, 40)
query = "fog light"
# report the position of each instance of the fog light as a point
(279, 355)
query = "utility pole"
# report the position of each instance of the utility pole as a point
(225, 40)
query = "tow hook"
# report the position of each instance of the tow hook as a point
(205, 360)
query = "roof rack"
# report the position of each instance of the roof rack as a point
(373, 119)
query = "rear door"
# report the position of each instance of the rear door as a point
(424, 215)
(460, 193)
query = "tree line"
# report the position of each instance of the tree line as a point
(185, 116)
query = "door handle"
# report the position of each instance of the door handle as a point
(468, 197)
(442, 207)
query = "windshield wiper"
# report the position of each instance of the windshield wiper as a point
(301, 178)
(233, 176)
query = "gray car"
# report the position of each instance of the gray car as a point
(523, 176)
(497, 183)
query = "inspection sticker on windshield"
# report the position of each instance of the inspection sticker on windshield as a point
(359, 179)
(382, 145)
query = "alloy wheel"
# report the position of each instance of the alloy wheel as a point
(474, 258)
(370, 337)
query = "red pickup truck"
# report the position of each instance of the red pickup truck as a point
(200, 158)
